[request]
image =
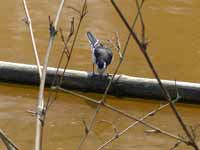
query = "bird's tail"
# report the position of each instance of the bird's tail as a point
(93, 41)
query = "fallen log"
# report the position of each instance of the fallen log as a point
(123, 85)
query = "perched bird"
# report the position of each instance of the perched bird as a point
(101, 55)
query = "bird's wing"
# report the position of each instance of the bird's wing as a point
(109, 55)
(98, 52)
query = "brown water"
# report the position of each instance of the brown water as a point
(173, 31)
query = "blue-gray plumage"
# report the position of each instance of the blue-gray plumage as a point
(101, 55)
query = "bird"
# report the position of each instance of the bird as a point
(101, 55)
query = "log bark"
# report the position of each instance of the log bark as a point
(122, 86)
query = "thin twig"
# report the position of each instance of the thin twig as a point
(129, 116)
(144, 123)
(116, 44)
(82, 15)
(108, 86)
(194, 131)
(66, 51)
(58, 81)
(74, 9)
(8, 142)
(51, 97)
(79, 95)
(111, 124)
(151, 113)
(164, 90)
(142, 24)
(40, 106)
(175, 145)
(29, 23)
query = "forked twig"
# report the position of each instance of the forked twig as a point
(194, 131)
(40, 106)
(57, 81)
(143, 40)
(65, 41)
(116, 44)
(82, 15)
(66, 50)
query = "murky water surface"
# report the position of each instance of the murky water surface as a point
(173, 30)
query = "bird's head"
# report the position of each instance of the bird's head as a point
(101, 64)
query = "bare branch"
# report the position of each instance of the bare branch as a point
(106, 90)
(175, 145)
(143, 38)
(164, 90)
(8, 143)
(57, 81)
(116, 44)
(128, 116)
(76, 10)
(63, 39)
(40, 106)
(86, 127)
(150, 114)
(27, 20)
(82, 15)
(52, 28)
(142, 122)
(71, 32)
(194, 130)
(79, 95)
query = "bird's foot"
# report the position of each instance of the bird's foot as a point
(108, 75)
(105, 76)
(94, 74)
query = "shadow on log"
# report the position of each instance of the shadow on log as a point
(123, 85)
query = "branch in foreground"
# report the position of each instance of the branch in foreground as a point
(150, 114)
(9, 144)
(29, 23)
(164, 90)
(57, 81)
(82, 14)
(53, 94)
(40, 106)
(103, 99)
(128, 115)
